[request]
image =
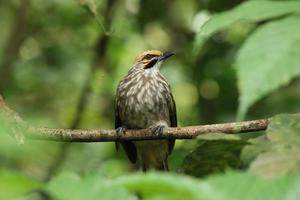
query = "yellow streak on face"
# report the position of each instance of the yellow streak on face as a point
(140, 59)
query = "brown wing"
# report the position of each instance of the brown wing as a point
(129, 147)
(173, 120)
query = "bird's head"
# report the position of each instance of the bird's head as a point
(152, 59)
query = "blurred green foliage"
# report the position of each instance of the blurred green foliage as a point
(269, 55)
(71, 55)
(154, 185)
(14, 184)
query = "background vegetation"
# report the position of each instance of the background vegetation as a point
(60, 62)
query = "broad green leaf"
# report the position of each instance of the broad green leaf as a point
(11, 123)
(235, 186)
(281, 160)
(253, 11)
(14, 184)
(215, 152)
(231, 186)
(274, 154)
(166, 186)
(148, 186)
(284, 127)
(278, 154)
(254, 148)
(93, 187)
(268, 59)
(213, 156)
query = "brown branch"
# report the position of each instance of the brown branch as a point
(101, 135)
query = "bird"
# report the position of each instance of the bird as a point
(144, 100)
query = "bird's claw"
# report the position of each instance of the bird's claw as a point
(157, 130)
(121, 131)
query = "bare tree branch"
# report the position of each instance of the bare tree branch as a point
(101, 135)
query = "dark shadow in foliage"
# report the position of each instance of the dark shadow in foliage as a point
(213, 156)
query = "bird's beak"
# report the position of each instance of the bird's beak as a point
(165, 55)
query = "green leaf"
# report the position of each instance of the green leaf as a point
(284, 127)
(253, 11)
(281, 160)
(279, 154)
(167, 186)
(12, 124)
(155, 185)
(256, 146)
(268, 59)
(244, 186)
(213, 156)
(14, 184)
(152, 185)
(231, 185)
(70, 186)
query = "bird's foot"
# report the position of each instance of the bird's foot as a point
(157, 130)
(121, 131)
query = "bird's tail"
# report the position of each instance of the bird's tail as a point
(163, 166)
(153, 155)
